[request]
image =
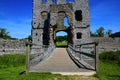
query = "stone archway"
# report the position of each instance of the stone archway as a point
(61, 39)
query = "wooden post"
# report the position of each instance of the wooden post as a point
(27, 58)
(97, 58)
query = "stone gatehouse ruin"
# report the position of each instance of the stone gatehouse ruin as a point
(48, 18)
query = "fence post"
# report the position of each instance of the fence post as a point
(96, 58)
(27, 58)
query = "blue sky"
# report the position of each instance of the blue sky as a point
(16, 15)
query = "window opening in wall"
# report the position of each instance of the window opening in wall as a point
(66, 23)
(36, 34)
(44, 36)
(79, 35)
(44, 14)
(44, 1)
(78, 15)
(69, 0)
(54, 1)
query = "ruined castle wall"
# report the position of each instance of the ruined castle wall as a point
(81, 21)
(11, 47)
(107, 43)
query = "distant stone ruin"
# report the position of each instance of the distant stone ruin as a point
(12, 47)
(107, 43)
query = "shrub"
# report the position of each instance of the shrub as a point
(111, 57)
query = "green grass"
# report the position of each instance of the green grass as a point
(14, 60)
(60, 44)
(12, 65)
(108, 71)
(12, 73)
(110, 57)
(109, 67)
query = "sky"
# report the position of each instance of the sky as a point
(16, 16)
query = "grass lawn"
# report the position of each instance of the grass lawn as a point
(109, 66)
(12, 65)
(108, 71)
(61, 44)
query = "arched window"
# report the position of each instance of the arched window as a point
(78, 15)
(79, 35)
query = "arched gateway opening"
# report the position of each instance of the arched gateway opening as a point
(63, 35)
(61, 39)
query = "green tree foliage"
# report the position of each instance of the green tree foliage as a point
(29, 38)
(4, 34)
(100, 32)
(93, 34)
(61, 38)
(109, 32)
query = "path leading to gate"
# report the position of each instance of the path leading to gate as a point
(59, 61)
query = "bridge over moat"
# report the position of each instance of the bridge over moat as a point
(60, 62)
(48, 18)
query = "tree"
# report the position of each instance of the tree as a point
(100, 32)
(4, 34)
(109, 32)
(93, 34)
(29, 38)
(61, 38)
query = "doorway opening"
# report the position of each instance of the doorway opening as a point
(61, 39)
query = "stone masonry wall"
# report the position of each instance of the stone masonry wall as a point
(11, 46)
(107, 43)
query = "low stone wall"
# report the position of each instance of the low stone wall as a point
(107, 43)
(12, 46)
